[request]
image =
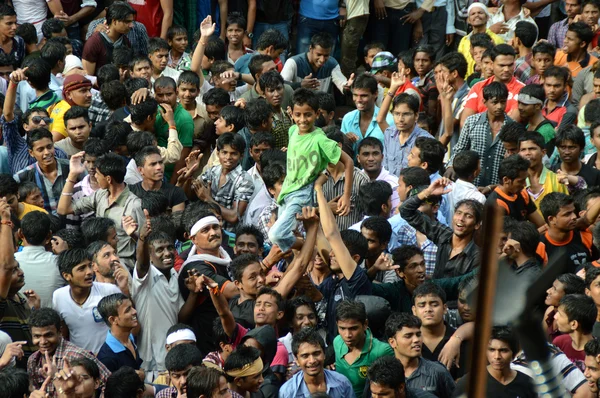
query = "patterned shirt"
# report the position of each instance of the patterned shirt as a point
(18, 152)
(17, 52)
(137, 36)
(403, 234)
(65, 349)
(281, 128)
(333, 189)
(523, 67)
(98, 111)
(476, 136)
(265, 219)
(238, 187)
(395, 154)
(13, 321)
(557, 33)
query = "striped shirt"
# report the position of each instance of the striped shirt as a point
(137, 36)
(45, 100)
(13, 321)
(333, 189)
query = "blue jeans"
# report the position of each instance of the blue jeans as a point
(261, 27)
(282, 232)
(307, 27)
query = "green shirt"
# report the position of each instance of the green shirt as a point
(357, 372)
(307, 156)
(45, 100)
(185, 132)
(546, 129)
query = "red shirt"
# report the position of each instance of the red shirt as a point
(474, 99)
(565, 344)
(150, 14)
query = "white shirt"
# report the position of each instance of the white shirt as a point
(86, 327)
(255, 207)
(257, 180)
(233, 95)
(462, 190)
(41, 272)
(157, 302)
(512, 23)
(393, 181)
(168, 72)
(132, 175)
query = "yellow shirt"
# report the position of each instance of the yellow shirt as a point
(57, 113)
(464, 47)
(549, 184)
(27, 208)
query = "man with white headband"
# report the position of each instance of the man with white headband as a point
(478, 16)
(206, 257)
(531, 102)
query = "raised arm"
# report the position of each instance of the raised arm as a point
(332, 233)
(398, 79)
(7, 249)
(11, 94)
(220, 303)
(207, 28)
(167, 20)
(142, 257)
(65, 203)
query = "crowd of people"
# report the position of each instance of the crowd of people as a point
(261, 199)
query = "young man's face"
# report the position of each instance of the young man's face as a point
(37, 119)
(375, 246)
(590, 14)
(370, 158)
(423, 63)
(187, 94)
(214, 112)
(274, 95)
(532, 152)
(414, 157)
(159, 59)
(222, 127)
(495, 106)
(407, 342)
(464, 309)
(229, 157)
(162, 254)
(266, 311)
(566, 219)
(235, 34)
(153, 168)
(142, 69)
(247, 244)
(352, 332)
(572, 43)
(592, 372)
(318, 55)
(252, 280)
(45, 338)
(541, 62)
(81, 97)
(504, 66)
(569, 151)
(257, 150)
(166, 95)
(402, 189)
(124, 26)
(106, 261)
(8, 26)
(572, 7)
(404, 118)
(112, 238)
(311, 359)
(371, 53)
(364, 99)
(429, 309)
(499, 355)
(515, 185)
(555, 293)
(82, 275)
(594, 291)
(90, 165)
(464, 221)
(414, 271)
(179, 43)
(179, 379)
(78, 130)
(595, 137)
(304, 317)
(554, 88)
(127, 315)
(304, 116)
(562, 321)
(251, 383)
(43, 151)
(527, 111)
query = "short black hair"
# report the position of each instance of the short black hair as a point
(399, 320)
(175, 30)
(216, 96)
(203, 381)
(165, 82)
(534, 90)
(234, 115)
(271, 79)
(495, 90)
(38, 73)
(533, 136)
(527, 235)
(44, 317)
(90, 366)
(429, 289)
(137, 59)
(365, 81)
(69, 259)
(109, 305)
(351, 310)
(27, 32)
(387, 371)
(591, 112)
(356, 243)
(181, 356)
(112, 165)
(121, 58)
(304, 96)
(373, 195)
(53, 52)
(432, 152)
(570, 132)
(107, 73)
(241, 262)
(215, 49)
(75, 112)
(402, 254)
(580, 308)
(119, 11)
(137, 140)
(279, 300)
(415, 177)
(14, 382)
(156, 43)
(272, 173)
(273, 155)
(249, 229)
(582, 30)
(592, 348)
(326, 101)
(465, 163)
(26, 188)
(37, 134)
(235, 141)
(482, 40)
(35, 227)
(370, 141)
(155, 202)
(271, 37)
(427, 49)
(511, 132)
(408, 99)
(506, 335)
(8, 185)
(256, 64)
(527, 32)
(143, 110)
(455, 61)
(293, 304)
(52, 26)
(379, 225)
(572, 284)
(502, 49)
(73, 237)
(113, 93)
(591, 273)
(321, 39)
(96, 228)
(512, 166)
(551, 204)
(307, 336)
(257, 112)
(262, 137)
(370, 46)
(124, 382)
(242, 355)
(543, 47)
(142, 154)
(189, 77)
(558, 72)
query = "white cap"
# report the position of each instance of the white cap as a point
(72, 62)
(480, 5)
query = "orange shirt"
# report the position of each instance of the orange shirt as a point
(562, 59)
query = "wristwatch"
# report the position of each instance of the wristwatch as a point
(250, 35)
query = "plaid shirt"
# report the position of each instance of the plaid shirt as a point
(265, 219)
(65, 349)
(557, 33)
(333, 189)
(476, 135)
(98, 111)
(281, 128)
(523, 67)
(238, 187)
(395, 154)
(137, 36)
(407, 235)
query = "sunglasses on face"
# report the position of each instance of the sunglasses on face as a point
(38, 119)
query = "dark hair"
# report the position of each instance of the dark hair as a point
(506, 335)
(14, 382)
(37, 135)
(279, 300)
(407, 59)
(351, 310)
(429, 289)
(113, 93)
(271, 79)
(75, 112)
(44, 317)
(216, 96)
(240, 357)
(119, 11)
(527, 32)
(465, 163)
(35, 227)
(527, 235)
(38, 73)
(455, 61)
(544, 47)
(370, 46)
(156, 43)
(262, 137)
(73, 237)
(356, 243)
(379, 225)
(511, 132)
(273, 173)
(432, 152)
(534, 90)
(236, 18)
(234, 115)
(53, 52)
(89, 365)
(8, 186)
(591, 111)
(203, 381)
(257, 112)
(27, 32)
(271, 37)
(51, 26)
(590, 2)
(165, 82)
(143, 110)
(142, 154)
(558, 72)
(365, 81)
(326, 101)
(495, 90)
(552, 203)
(108, 73)
(121, 58)
(256, 64)
(512, 166)
(570, 132)
(533, 136)
(112, 165)
(181, 356)
(71, 258)
(370, 141)
(235, 141)
(137, 140)
(241, 262)
(215, 49)
(580, 308)
(175, 30)
(387, 371)
(219, 67)
(96, 228)
(592, 348)
(321, 39)
(503, 49)
(582, 30)
(293, 304)
(373, 195)
(408, 99)
(572, 284)
(591, 273)
(272, 155)
(109, 306)
(124, 382)
(134, 84)
(307, 336)
(155, 202)
(139, 58)
(304, 96)
(415, 177)
(403, 254)
(189, 77)
(399, 320)
(427, 49)
(249, 229)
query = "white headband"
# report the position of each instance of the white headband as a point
(203, 222)
(478, 5)
(182, 334)
(529, 100)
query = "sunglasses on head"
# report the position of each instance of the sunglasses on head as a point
(37, 119)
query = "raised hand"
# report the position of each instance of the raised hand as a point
(41, 393)
(385, 263)
(139, 96)
(191, 281)
(12, 350)
(18, 76)
(207, 27)
(438, 187)
(129, 225)
(273, 278)
(49, 368)
(240, 103)
(66, 380)
(33, 300)
(398, 79)
(147, 227)
(309, 215)
(193, 158)
(121, 276)
(4, 210)
(202, 190)
(76, 166)
(167, 114)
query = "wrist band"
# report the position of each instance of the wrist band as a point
(9, 223)
(67, 193)
(172, 128)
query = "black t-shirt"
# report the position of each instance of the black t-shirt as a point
(433, 356)
(578, 247)
(174, 195)
(243, 313)
(521, 386)
(517, 206)
(590, 175)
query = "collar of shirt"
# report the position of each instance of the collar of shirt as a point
(330, 382)
(372, 125)
(366, 347)
(253, 171)
(584, 62)
(115, 344)
(395, 133)
(560, 103)
(34, 249)
(518, 17)
(58, 171)
(543, 176)
(121, 199)
(465, 184)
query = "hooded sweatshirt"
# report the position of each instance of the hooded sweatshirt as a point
(267, 338)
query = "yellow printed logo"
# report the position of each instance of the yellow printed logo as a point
(362, 371)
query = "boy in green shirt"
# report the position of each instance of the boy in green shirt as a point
(531, 101)
(309, 153)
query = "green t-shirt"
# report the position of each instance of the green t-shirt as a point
(307, 156)
(546, 130)
(185, 132)
(357, 372)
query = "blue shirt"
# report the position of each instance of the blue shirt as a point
(351, 124)
(338, 386)
(320, 9)
(242, 65)
(443, 214)
(395, 155)
(114, 355)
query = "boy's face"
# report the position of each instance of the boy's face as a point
(402, 69)
(179, 42)
(371, 54)
(515, 185)
(257, 150)
(592, 372)
(555, 293)
(562, 320)
(229, 157)
(222, 127)
(422, 63)
(252, 280)
(276, 188)
(13, 202)
(464, 309)
(43, 151)
(304, 116)
(187, 94)
(407, 342)
(487, 67)
(235, 34)
(8, 25)
(179, 379)
(35, 198)
(569, 151)
(142, 69)
(429, 309)
(572, 43)
(159, 59)
(499, 354)
(166, 95)
(247, 244)
(90, 165)
(266, 311)
(532, 152)
(495, 106)
(404, 118)
(527, 111)
(274, 95)
(78, 130)
(477, 53)
(554, 87)
(225, 84)
(414, 271)
(541, 62)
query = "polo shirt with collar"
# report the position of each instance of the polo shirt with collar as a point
(563, 114)
(351, 124)
(432, 377)
(357, 371)
(564, 59)
(114, 355)
(395, 154)
(338, 386)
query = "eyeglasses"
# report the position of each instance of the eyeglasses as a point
(38, 119)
